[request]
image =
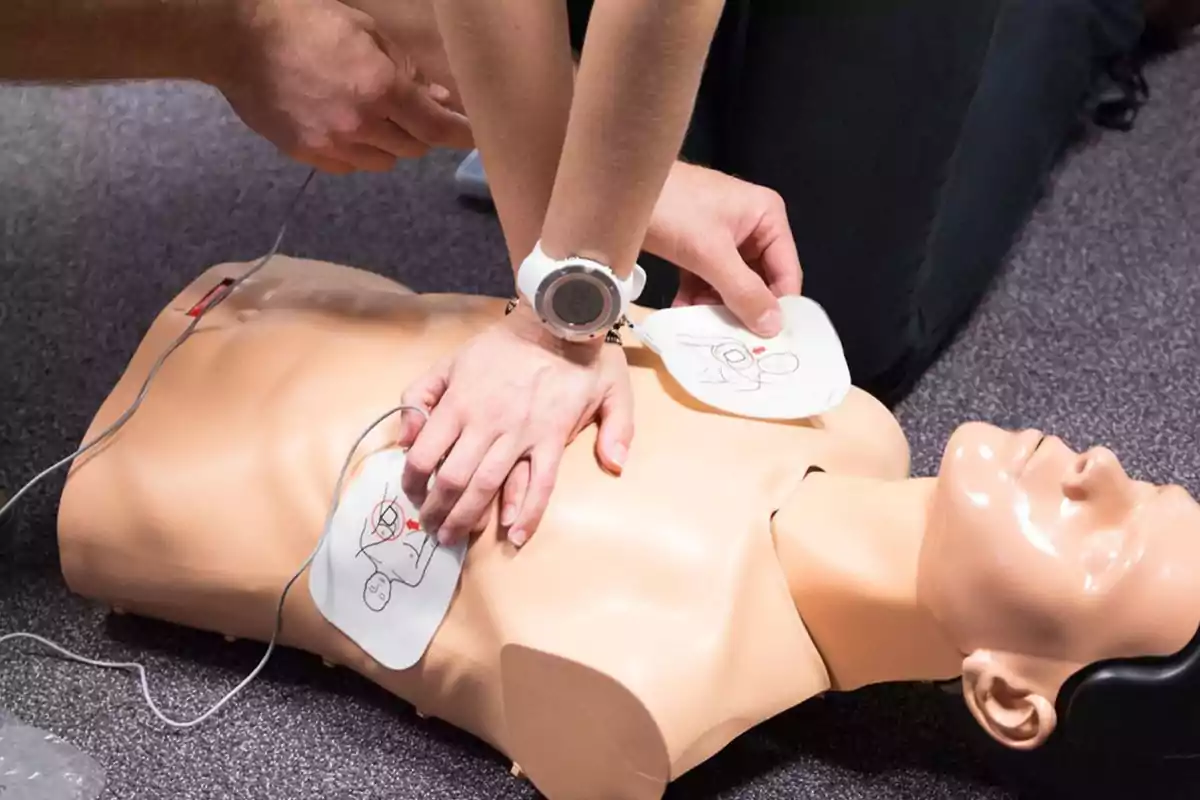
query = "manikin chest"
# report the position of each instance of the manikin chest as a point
(662, 586)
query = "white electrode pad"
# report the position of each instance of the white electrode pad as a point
(378, 577)
(799, 373)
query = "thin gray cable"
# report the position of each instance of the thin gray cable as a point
(115, 426)
(183, 337)
(333, 507)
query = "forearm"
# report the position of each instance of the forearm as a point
(511, 60)
(634, 95)
(90, 40)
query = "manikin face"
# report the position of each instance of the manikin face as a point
(1038, 560)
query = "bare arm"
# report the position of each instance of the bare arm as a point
(90, 40)
(582, 173)
(511, 60)
(637, 84)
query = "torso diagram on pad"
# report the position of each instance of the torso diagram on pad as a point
(398, 548)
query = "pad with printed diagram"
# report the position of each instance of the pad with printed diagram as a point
(800, 373)
(379, 577)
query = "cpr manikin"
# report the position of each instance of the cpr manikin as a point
(736, 568)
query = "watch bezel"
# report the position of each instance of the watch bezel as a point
(569, 272)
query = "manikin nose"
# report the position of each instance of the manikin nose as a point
(1095, 472)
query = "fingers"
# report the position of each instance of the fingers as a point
(408, 130)
(439, 434)
(365, 157)
(741, 289)
(426, 392)
(514, 491)
(389, 137)
(779, 260)
(616, 426)
(781, 266)
(446, 98)
(466, 485)
(543, 472)
(324, 163)
(689, 287)
(341, 158)
(694, 292)
(373, 145)
(425, 119)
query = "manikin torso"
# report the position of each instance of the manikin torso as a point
(645, 625)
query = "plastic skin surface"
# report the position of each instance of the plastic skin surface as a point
(653, 617)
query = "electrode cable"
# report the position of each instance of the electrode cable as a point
(121, 420)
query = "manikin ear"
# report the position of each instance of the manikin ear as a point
(1009, 709)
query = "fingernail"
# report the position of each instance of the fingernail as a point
(769, 323)
(445, 538)
(619, 453)
(508, 515)
(518, 537)
(439, 92)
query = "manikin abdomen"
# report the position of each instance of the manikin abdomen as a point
(644, 626)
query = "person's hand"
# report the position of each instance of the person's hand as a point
(409, 30)
(507, 404)
(731, 241)
(317, 81)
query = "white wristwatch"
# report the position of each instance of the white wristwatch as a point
(577, 299)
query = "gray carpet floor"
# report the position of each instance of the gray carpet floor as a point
(110, 198)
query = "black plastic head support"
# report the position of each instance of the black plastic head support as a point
(1147, 707)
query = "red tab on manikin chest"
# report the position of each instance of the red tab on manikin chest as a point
(218, 291)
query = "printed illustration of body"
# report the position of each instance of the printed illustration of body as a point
(741, 367)
(398, 548)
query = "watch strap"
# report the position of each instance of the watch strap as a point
(537, 264)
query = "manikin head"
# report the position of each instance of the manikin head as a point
(1079, 564)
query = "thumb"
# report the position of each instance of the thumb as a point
(615, 426)
(741, 289)
(424, 393)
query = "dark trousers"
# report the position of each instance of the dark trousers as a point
(910, 140)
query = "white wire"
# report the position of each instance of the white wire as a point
(141, 671)
(115, 426)
(179, 340)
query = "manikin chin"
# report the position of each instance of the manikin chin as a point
(736, 569)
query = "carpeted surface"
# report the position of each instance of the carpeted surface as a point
(111, 198)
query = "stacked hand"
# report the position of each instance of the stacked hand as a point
(503, 410)
(322, 82)
(505, 406)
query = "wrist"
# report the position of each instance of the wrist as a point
(524, 322)
(575, 298)
(621, 265)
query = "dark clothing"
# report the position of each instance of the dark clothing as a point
(910, 142)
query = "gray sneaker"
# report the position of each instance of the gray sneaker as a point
(470, 178)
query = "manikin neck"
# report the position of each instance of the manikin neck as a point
(849, 548)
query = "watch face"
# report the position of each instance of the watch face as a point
(578, 302)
